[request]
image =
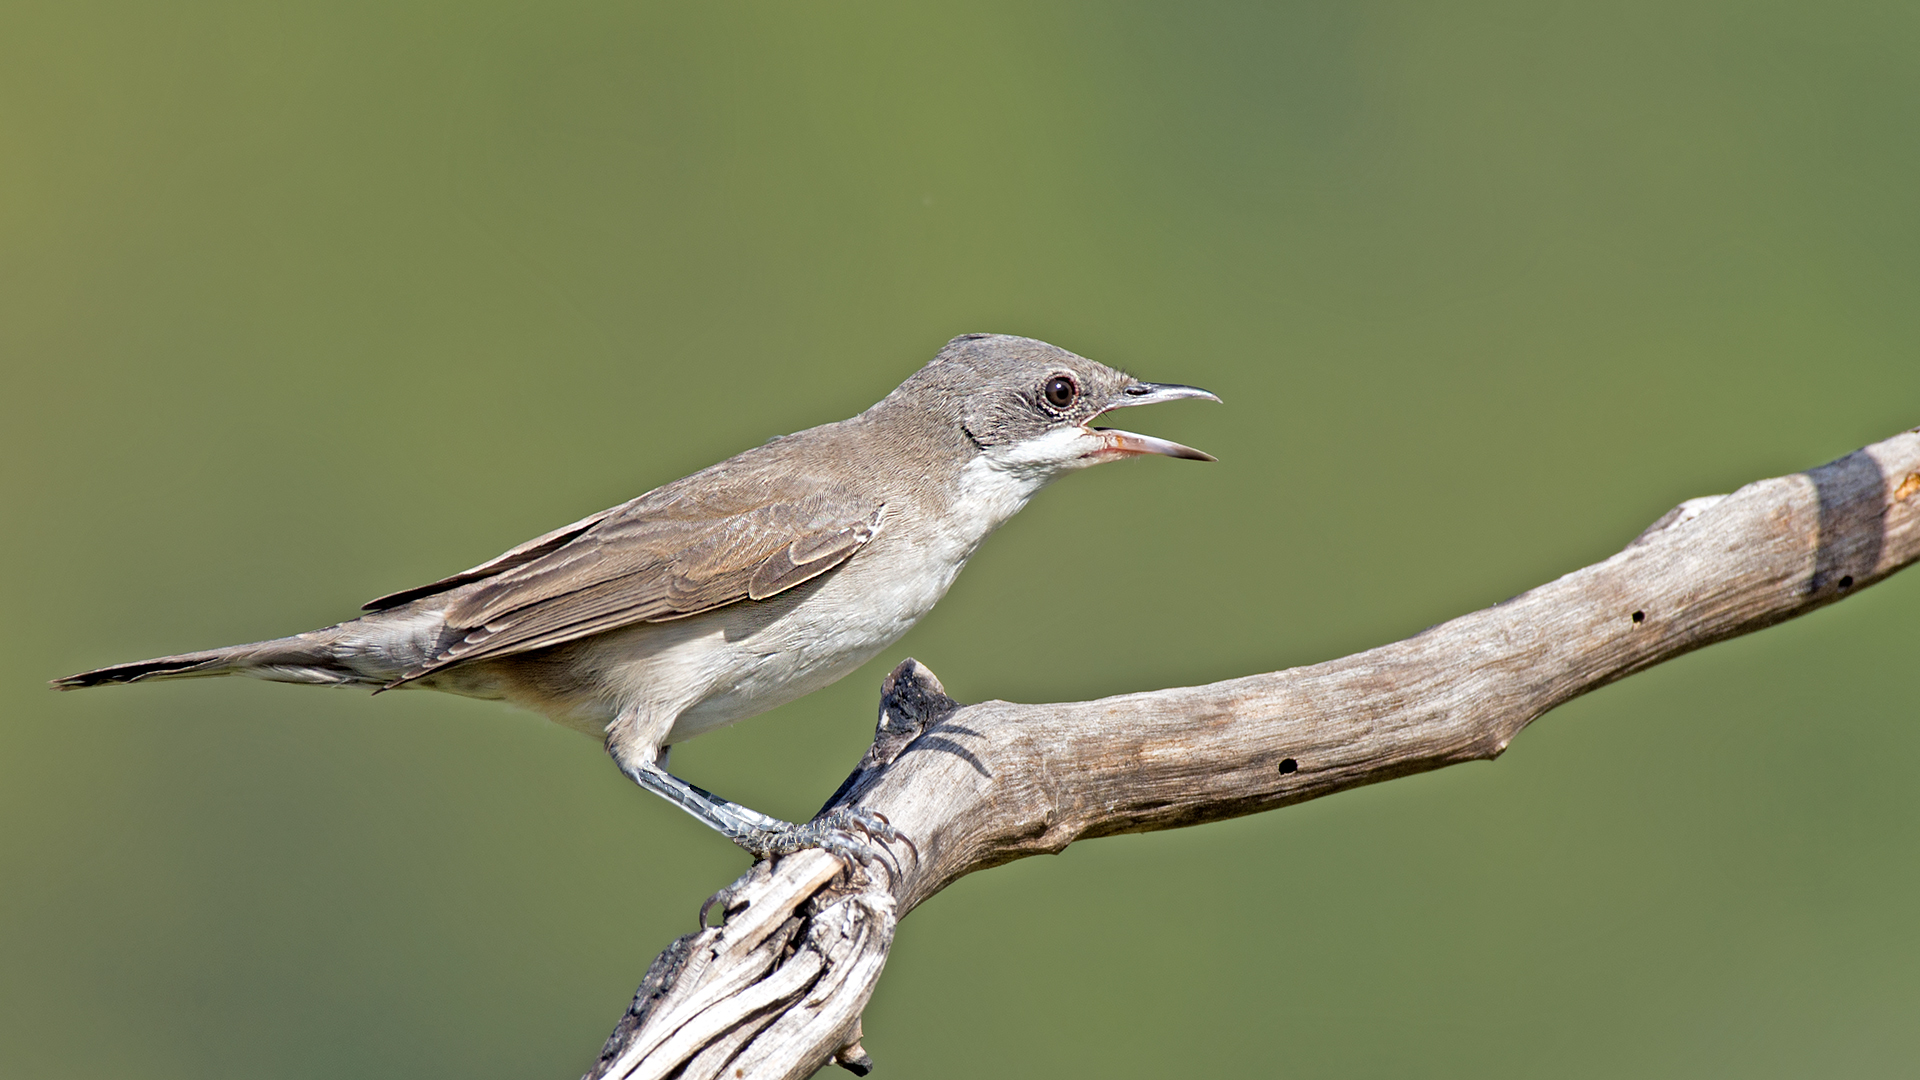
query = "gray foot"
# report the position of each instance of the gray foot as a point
(848, 832)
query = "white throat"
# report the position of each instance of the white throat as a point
(997, 483)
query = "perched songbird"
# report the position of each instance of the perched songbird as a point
(739, 588)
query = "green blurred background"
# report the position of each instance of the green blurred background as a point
(305, 303)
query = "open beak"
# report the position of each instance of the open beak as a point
(1126, 443)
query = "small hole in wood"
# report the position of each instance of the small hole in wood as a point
(1289, 765)
(1639, 616)
(1847, 582)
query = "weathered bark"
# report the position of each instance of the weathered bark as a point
(777, 991)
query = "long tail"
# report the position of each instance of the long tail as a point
(316, 657)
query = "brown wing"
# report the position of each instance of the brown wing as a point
(654, 559)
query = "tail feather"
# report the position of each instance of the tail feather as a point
(303, 658)
(185, 666)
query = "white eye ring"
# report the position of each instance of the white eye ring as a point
(1061, 391)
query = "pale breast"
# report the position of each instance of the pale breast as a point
(765, 655)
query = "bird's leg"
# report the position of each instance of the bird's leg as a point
(728, 818)
(844, 831)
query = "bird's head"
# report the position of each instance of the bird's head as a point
(1030, 407)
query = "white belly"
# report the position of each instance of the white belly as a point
(674, 680)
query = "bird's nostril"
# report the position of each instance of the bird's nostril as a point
(1136, 390)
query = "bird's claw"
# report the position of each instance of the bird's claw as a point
(847, 831)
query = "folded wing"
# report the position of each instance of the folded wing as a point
(650, 560)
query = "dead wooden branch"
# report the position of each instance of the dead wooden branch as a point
(777, 991)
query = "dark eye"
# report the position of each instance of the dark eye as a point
(1061, 391)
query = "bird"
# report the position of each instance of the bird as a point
(738, 588)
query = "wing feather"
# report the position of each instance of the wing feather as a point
(805, 559)
(663, 556)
